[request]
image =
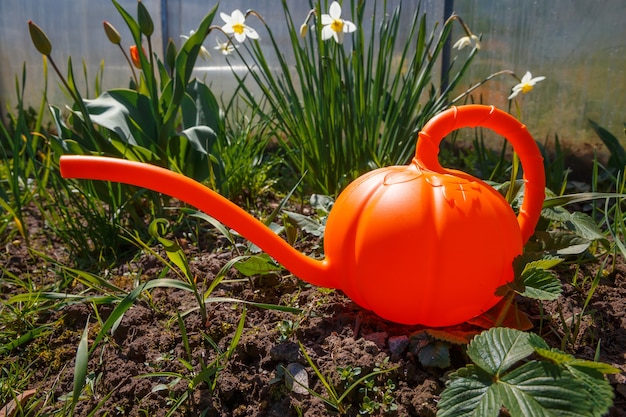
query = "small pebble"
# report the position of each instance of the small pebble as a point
(296, 378)
(398, 344)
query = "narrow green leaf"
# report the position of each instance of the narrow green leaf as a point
(618, 153)
(266, 306)
(557, 201)
(117, 313)
(212, 221)
(25, 338)
(80, 365)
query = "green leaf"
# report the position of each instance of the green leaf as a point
(81, 364)
(470, 392)
(172, 249)
(552, 204)
(201, 138)
(600, 392)
(562, 358)
(126, 113)
(586, 227)
(617, 159)
(185, 61)
(541, 285)
(117, 314)
(200, 107)
(535, 388)
(543, 389)
(257, 265)
(546, 262)
(25, 338)
(306, 223)
(559, 242)
(497, 349)
(214, 222)
(133, 152)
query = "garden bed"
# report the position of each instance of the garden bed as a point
(340, 338)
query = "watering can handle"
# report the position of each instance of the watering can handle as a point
(474, 115)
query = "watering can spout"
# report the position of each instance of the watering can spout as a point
(316, 272)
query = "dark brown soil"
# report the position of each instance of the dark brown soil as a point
(334, 332)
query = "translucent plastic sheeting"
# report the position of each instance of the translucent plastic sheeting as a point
(579, 46)
(75, 29)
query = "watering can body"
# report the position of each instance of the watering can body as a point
(417, 244)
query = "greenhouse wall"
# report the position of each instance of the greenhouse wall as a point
(577, 45)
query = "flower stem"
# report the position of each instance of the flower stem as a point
(132, 68)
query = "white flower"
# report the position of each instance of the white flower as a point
(236, 25)
(471, 41)
(226, 48)
(204, 53)
(334, 25)
(527, 84)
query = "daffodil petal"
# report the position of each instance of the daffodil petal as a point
(226, 18)
(335, 10)
(240, 37)
(348, 27)
(326, 19)
(251, 33)
(327, 33)
(237, 16)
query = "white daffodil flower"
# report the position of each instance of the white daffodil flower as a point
(527, 83)
(471, 41)
(226, 48)
(334, 26)
(236, 25)
(204, 53)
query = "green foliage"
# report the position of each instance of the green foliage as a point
(617, 159)
(533, 279)
(504, 374)
(206, 373)
(365, 384)
(143, 123)
(351, 107)
(25, 160)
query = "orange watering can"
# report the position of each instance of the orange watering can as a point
(417, 244)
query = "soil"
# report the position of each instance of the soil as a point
(334, 332)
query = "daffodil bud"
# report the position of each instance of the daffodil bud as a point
(145, 21)
(39, 38)
(112, 33)
(304, 29)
